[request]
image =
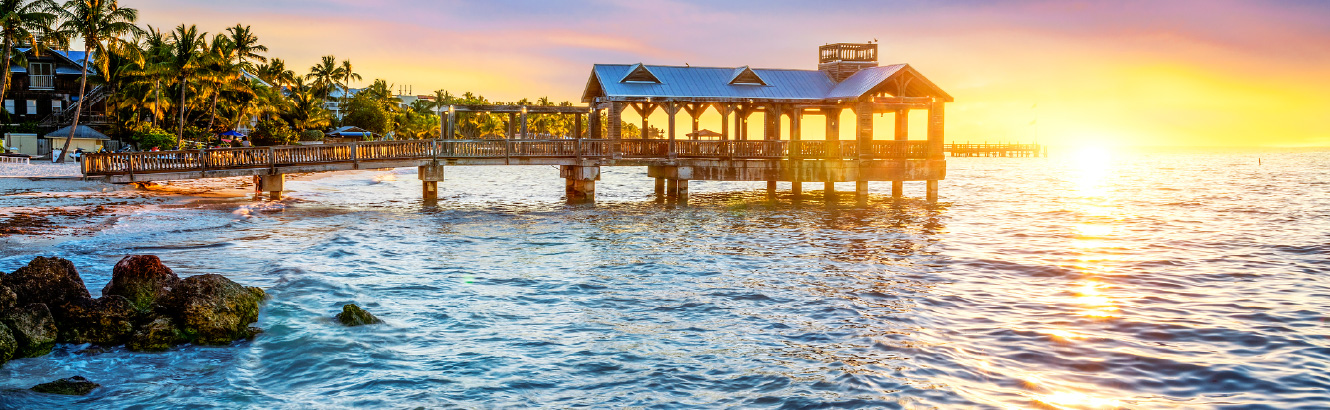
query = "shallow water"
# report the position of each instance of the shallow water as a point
(1158, 280)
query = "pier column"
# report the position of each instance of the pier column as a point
(796, 151)
(580, 182)
(864, 135)
(902, 147)
(615, 129)
(833, 151)
(272, 184)
(771, 190)
(430, 175)
(660, 187)
(682, 191)
(936, 120)
(932, 190)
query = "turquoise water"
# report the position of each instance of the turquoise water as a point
(1150, 280)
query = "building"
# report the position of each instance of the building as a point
(45, 90)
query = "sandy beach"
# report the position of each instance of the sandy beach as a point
(45, 199)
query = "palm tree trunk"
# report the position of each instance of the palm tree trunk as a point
(157, 88)
(180, 133)
(4, 82)
(212, 114)
(78, 107)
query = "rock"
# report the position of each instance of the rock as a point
(8, 345)
(50, 281)
(105, 321)
(73, 386)
(353, 315)
(8, 300)
(157, 335)
(33, 328)
(142, 279)
(211, 309)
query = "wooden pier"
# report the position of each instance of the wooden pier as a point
(996, 150)
(848, 80)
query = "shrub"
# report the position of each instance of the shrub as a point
(311, 135)
(272, 131)
(147, 138)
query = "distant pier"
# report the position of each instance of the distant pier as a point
(996, 150)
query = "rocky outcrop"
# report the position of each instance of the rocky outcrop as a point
(51, 281)
(145, 306)
(353, 315)
(33, 329)
(105, 321)
(142, 279)
(212, 309)
(73, 386)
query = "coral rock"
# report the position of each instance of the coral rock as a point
(105, 321)
(211, 309)
(47, 280)
(142, 279)
(157, 335)
(353, 315)
(33, 328)
(73, 386)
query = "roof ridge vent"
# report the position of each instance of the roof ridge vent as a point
(639, 73)
(746, 76)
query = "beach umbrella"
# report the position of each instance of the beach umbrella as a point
(232, 133)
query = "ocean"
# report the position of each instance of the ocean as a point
(1134, 280)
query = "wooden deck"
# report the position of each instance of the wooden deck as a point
(223, 162)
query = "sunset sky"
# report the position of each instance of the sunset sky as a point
(1195, 73)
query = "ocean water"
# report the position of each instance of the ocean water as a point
(1174, 280)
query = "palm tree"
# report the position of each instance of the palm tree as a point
(100, 23)
(222, 71)
(186, 59)
(275, 73)
(324, 76)
(349, 75)
(246, 46)
(156, 65)
(306, 107)
(19, 19)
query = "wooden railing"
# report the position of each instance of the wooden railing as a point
(261, 157)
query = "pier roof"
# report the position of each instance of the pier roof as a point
(626, 82)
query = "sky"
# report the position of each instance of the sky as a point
(1111, 73)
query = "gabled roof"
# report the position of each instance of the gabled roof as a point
(706, 82)
(74, 58)
(83, 131)
(899, 80)
(746, 76)
(744, 83)
(639, 74)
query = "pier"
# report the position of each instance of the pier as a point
(847, 81)
(996, 150)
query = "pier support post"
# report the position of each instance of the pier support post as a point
(829, 191)
(861, 192)
(273, 184)
(660, 187)
(580, 182)
(932, 190)
(771, 190)
(682, 189)
(672, 187)
(897, 189)
(430, 175)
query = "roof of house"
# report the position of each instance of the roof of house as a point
(75, 58)
(83, 131)
(739, 83)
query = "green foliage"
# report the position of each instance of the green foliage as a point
(29, 127)
(147, 138)
(311, 135)
(272, 131)
(196, 133)
(362, 111)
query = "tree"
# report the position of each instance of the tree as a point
(324, 76)
(349, 74)
(364, 112)
(100, 23)
(272, 131)
(306, 109)
(246, 46)
(19, 20)
(186, 59)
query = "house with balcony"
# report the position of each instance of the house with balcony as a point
(45, 91)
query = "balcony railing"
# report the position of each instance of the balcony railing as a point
(41, 82)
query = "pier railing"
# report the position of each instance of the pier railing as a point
(262, 157)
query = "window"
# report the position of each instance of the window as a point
(32, 107)
(9, 106)
(40, 76)
(56, 107)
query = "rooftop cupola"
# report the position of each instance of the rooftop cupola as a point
(841, 60)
